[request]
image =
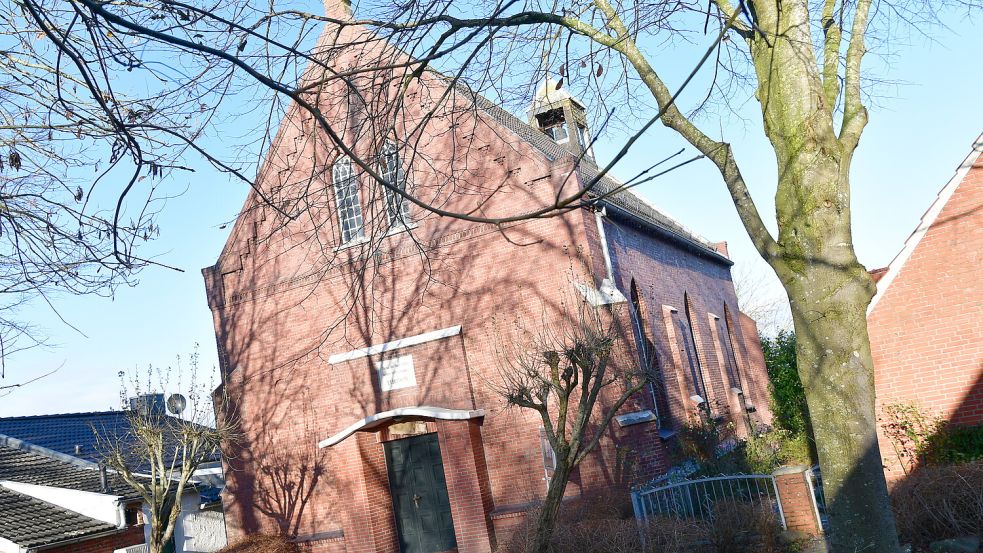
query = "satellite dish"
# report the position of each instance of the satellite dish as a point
(176, 404)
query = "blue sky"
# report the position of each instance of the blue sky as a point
(919, 130)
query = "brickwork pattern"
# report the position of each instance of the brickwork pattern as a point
(925, 331)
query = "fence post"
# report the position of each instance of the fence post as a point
(641, 517)
(797, 500)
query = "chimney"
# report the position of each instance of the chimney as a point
(103, 479)
(149, 405)
(338, 9)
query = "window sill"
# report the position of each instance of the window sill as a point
(393, 231)
(352, 243)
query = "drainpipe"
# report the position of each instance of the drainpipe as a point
(609, 269)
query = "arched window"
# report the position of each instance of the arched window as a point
(346, 197)
(397, 207)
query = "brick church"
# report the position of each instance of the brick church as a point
(359, 332)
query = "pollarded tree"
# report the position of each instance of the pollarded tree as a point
(158, 454)
(575, 374)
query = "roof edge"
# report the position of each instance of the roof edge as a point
(684, 241)
(16, 443)
(926, 222)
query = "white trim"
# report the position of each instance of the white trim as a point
(395, 344)
(598, 215)
(422, 411)
(928, 219)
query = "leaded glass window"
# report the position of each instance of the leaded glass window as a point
(397, 207)
(347, 199)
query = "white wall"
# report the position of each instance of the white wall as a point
(197, 531)
(93, 505)
(7, 546)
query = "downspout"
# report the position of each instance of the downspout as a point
(608, 268)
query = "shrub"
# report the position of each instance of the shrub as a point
(920, 437)
(736, 528)
(760, 453)
(766, 451)
(262, 543)
(788, 399)
(956, 444)
(939, 502)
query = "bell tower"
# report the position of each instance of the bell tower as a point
(562, 117)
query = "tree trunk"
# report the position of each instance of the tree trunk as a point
(829, 303)
(551, 507)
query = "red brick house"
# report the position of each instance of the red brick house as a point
(924, 321)
(358, 341)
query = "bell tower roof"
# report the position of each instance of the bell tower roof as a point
(548, 97)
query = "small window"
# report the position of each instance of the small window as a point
(557, 132)
(346, 197)
(132, 516)
(582, 137)
(554, 124)
(397, 207)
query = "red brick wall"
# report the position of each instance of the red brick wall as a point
(106, 544)
(925, 330)
(284, 301)
(725, 355)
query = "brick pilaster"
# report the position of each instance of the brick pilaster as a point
(798, 502)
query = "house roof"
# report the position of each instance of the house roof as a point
(30, 464)
(928, 219)
(62, 433)
(30, 523)
(608, 190)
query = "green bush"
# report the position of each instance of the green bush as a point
(918, 435)
(956, 444)
(705, 443)
(788, 399)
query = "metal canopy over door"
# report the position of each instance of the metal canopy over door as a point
(419, 492)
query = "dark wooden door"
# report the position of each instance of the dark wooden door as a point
(419, 491)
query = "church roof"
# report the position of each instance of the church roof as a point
(607, 190)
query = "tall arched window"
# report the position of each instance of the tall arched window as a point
(397, 207)
(346, 197)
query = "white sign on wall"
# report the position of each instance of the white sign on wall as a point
(396, 373)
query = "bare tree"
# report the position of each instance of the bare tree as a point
(801, 60)
(759, 299)
(574, 372)
(157, 454)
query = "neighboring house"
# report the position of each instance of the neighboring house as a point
(72, 438)
(363, 373)
(56, 503)
(925, 326)
(77, 434)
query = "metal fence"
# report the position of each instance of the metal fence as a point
(816, 481)
(697, 498)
